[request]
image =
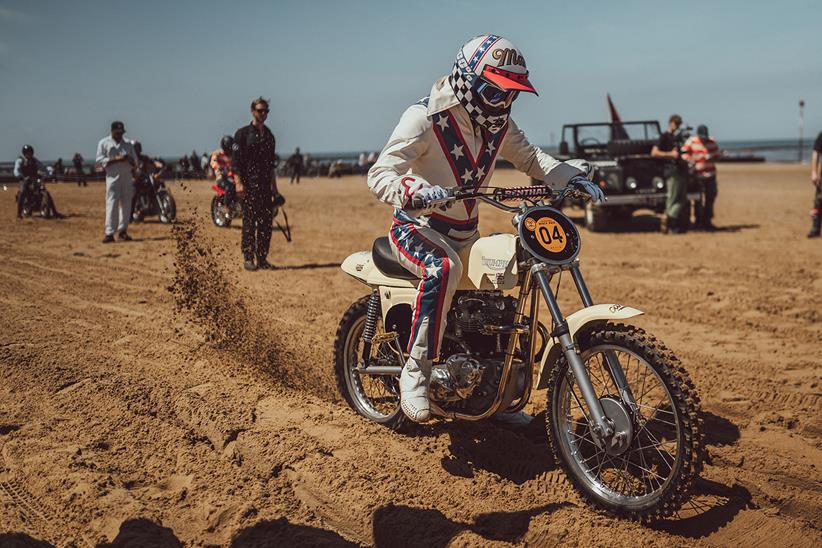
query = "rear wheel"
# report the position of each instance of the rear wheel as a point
(375, 397)
(653, 476)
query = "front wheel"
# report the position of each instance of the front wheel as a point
(652, 477)
(45, 205)
(220, 213)
(375, 397)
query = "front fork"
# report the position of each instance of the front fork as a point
(602, 427)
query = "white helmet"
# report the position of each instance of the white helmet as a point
(488, 75)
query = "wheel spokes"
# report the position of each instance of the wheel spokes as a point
(650, 460)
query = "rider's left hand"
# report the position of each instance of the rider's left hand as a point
(584, 185)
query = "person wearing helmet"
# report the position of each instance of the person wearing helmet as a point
(145, 167)
(221, 165)
(451, 139)
(27, 168)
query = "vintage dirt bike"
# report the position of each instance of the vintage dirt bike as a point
(153, 198)
(37, 199)
(623, 417)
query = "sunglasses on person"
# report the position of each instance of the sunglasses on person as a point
(494, 95)
(261, 110)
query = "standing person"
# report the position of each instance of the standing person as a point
(195, 164)
(253, 158)
(701, 152)
(452, 138)
(204, 161)
(77, 160)
(816, 180)
(295, 162)
(116, 156)
(59, 169)
(676, 173)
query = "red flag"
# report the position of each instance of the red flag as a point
(617, 129)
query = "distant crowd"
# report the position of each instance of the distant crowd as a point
(198, 166)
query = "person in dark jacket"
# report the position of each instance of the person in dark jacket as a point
(254, 159)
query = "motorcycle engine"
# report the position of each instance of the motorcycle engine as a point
(471, 372)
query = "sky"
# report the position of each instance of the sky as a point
(180, 74)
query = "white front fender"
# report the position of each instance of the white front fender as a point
(577, 321)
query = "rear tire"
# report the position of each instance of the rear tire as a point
(351, 383)
(612, 486)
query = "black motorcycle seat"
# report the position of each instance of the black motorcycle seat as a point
(385, 262)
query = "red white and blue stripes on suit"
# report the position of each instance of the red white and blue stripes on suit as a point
(428, 245)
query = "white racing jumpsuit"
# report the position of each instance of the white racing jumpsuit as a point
(437, 142)
(119, 182)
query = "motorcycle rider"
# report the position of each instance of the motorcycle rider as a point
(27, 169)
(447, 140)
(221, 165)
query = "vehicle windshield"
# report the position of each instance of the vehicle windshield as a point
(602, 133)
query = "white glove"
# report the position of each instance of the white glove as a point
(581, 183)
(425, 196)
(584, 166)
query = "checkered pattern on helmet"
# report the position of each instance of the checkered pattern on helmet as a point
(462, 81)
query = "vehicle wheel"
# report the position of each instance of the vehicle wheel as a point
(219, 213)
(138, 212)
(168, 209)
(596, 218)
(45, 210)
(375, 397)
(653, 477)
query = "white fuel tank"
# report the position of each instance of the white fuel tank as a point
(491, 263)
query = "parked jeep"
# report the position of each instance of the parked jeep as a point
(631, 178)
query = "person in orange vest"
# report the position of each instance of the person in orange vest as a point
(701, 153)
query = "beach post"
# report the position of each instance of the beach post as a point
(801, 126)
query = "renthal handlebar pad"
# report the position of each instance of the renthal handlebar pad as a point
(523, 192)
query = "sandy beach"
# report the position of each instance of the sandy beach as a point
(128, 413)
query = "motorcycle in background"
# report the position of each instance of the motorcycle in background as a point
(224, 211)
(152, 198)
(38, 199)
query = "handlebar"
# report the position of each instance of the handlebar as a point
(498, 195)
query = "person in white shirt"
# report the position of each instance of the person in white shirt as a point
(447, 140)
(117, 157)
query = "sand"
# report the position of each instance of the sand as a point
(153, 393)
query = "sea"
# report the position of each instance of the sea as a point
(771, 150)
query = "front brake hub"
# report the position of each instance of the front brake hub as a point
(618, 414)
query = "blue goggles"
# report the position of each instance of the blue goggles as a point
(492, 94)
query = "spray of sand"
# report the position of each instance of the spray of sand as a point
(207, 297)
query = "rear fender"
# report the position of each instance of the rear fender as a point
(580, 321)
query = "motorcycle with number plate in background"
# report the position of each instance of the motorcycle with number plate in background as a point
(623, 417)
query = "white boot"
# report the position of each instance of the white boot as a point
(414, 389)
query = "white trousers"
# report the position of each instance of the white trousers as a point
(119, 192)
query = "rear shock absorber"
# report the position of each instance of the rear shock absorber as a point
(370, 328)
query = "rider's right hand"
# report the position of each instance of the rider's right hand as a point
(426, 196)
